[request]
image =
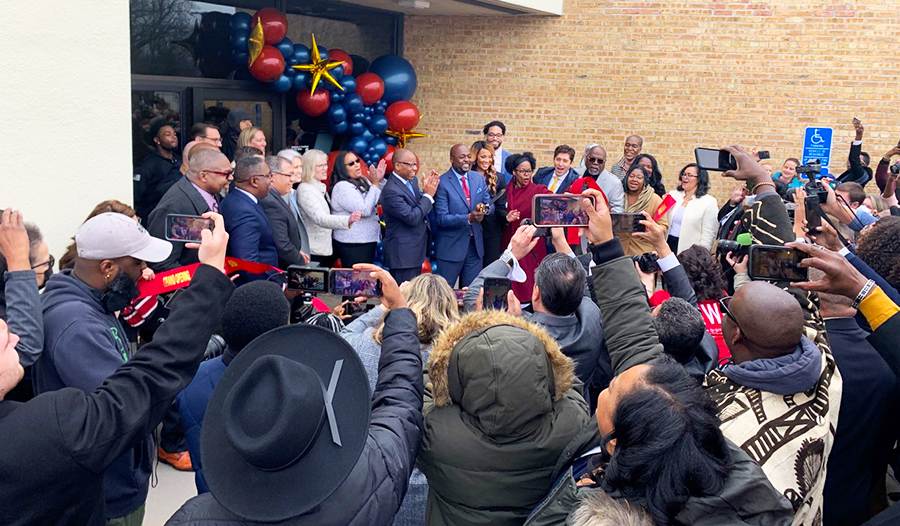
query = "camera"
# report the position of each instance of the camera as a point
(735, 247)
(895, 169)
(648, 263)
(813, 167)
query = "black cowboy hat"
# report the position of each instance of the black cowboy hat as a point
(286, 423)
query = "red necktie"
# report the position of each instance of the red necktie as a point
(465, 186)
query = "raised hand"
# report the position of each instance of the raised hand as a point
(14, 245)
(748, 169)
(430, 183)
(599, 229)
(523, 241)
(841, 277)
(655, 234)
(391, 296)
(212, 243)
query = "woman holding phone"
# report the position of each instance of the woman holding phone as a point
(519, 196)
(639, 197)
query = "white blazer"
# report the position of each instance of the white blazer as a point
(700, 222)
(317, 217)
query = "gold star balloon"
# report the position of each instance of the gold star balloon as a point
(256, 42)
(320, 68)
(403, 136)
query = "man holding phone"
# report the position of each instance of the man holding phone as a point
(858, 170)
(194, 194)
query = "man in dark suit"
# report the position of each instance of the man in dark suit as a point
(559, 177)
(290, 234)
(194, 194)
(405, 211)
(250, 232)
(858, 170)
(459, 245)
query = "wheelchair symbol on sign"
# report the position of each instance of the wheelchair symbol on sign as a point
(816, 138)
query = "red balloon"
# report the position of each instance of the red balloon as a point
(343, 56)
(370, 87)
(315, 104)
(389, 158)
(402, 115)
(426, 266)
(274, 23)
(269, 65)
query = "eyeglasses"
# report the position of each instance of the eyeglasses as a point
(267, 176)
(596, 160)
(636, 176)
(406, 163)
(494, 135)
(50, 262)
(688, 176)
(526, 171)
(284, 174)
(223, 174)
(217, 140)
(723, 303)
(352, 163)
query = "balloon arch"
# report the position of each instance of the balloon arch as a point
(371, 112)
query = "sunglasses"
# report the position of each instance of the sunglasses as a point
(223, 174)
(596, 160)
(723, 304)
(352, 163)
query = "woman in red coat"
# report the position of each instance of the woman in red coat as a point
(518, 201)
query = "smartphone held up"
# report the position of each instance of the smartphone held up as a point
(776, 263)
(714, 160)
(559, 210)
(186, 228)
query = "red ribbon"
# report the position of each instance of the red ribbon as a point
(664, 207)
(181, 277)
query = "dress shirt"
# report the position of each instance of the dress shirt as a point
(208, 197)
(253, 197)
(407, 184)
(498, 160)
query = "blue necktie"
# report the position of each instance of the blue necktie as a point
(411, 189)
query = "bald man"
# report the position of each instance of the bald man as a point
(405, 211)
(633, 146)
(194, 194)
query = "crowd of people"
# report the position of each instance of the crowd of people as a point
(628, 377)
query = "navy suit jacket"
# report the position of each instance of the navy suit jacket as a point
(250, 234)
(406, 223)
(504, 155)
(544, 176)
(451, 211)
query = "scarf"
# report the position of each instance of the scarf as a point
(643, 200)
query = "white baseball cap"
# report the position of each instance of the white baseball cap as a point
(113, 235)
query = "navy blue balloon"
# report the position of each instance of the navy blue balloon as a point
(379, 109)
(336, 113)
(336, 96)
(368, 110)
(379, 146)
(240, 21)
(301, 80)
(337, 73)
(286, 47)
(239, 41)
(339, 128)
(367, 135)
(355, 117)
(391, 140)
(368, 119)
(349, 84)
(378, 125)
(282, 85)
(358, 145)
(399, 77)
(241, 59)
(291, 61)
(356, 128)
(289, 71)
(301, 54)
(323, 52)
(354, 103)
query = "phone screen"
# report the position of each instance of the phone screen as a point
(307, 279)
(714, 160)
(559, 210)
(776, 263)
(186, 228)
(349, 282)
(763, 154)
(813, 212)
(460, 294)
(495, 291)
(627, 223)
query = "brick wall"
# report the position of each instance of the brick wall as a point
(682, 74)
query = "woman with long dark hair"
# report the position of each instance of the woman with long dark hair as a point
(654, 178)
(519, 195)
(352, 191)
(492, 225)
(708, 282)
(694, 218)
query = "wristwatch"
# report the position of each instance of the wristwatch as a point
(508, 258)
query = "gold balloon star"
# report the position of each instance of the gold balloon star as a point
(256, 41)
(403, 136)
(320, 68)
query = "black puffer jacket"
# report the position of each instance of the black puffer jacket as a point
(233, 130)
(372, 493)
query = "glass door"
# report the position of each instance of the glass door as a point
(266, 109)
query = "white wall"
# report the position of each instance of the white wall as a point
(65, 103)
